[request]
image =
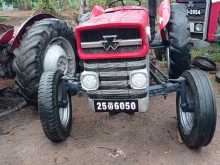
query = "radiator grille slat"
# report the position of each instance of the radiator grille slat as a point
(113, 76)
(116, 66)
(114, 84)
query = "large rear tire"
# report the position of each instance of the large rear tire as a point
(29, 61)
(180, 41)
(55, 116)
(198, 121)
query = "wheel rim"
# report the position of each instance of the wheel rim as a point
(64, 112)
(187, 118)
(59, 55)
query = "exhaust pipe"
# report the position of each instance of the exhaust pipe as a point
(152, 5)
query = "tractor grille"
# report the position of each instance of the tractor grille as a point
(114, 40)
(114, 78)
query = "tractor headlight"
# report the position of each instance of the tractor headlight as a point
(199, 27)
(139, 79)
(89, 81)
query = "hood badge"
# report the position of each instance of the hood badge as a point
(190, 4)
(110, 42)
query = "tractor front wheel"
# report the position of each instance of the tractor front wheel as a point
(197, 118)
(54, 106)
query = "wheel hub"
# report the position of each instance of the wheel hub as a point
(186, 113)
(64, 107)
(55, 58)
(59, 56)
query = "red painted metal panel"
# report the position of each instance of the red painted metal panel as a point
(122, 17)
(97, 10)
(6, 33)
(164, 13)
(213, 20)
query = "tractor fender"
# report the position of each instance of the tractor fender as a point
(7, 34)
(97, 10)
(164, 13)
(22, 29)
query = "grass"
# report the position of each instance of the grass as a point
(213, 52)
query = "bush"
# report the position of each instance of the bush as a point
(23, 4)
(74, 4)
(97, 2)
(213, 52)
(45, 6)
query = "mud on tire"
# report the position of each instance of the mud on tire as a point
(28, 63)
(179, 37)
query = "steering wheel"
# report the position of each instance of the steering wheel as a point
(114, 2)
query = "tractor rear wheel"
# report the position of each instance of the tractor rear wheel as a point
(197, 121)
(180, 41)
(49, 44)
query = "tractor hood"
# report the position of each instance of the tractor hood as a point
(120, 22)
(132, 15)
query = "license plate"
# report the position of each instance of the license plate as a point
(194, 12)
(116, 106)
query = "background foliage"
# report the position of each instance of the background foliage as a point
(57, 4)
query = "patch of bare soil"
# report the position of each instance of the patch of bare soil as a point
(97, 139)
(16, 18)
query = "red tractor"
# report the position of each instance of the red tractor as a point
(108, 56)
(204, 17)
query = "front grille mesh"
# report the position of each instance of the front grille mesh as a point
(98, 35)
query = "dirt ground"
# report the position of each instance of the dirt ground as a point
(97, 139)
(16, 18)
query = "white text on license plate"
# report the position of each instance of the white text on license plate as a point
(108, 106)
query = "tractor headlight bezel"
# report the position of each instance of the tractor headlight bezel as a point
(198, 27)
(139, 79)
(89, 80)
